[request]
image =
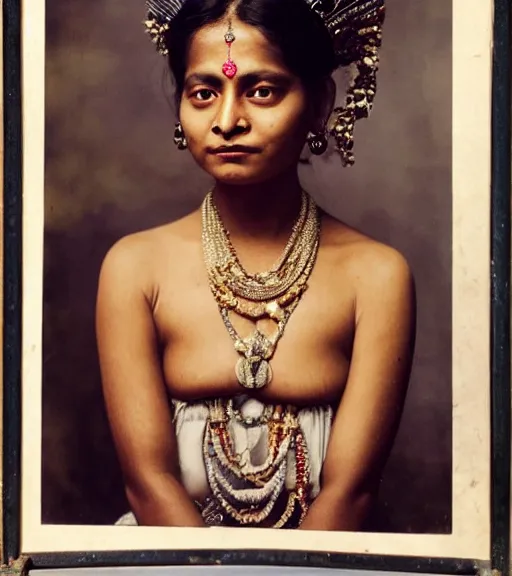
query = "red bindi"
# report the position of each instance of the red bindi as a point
(229, 68)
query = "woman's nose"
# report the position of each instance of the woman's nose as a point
(230, 118)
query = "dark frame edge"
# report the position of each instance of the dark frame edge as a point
(500, 353)
(500, 290)
(411, 564)
(12, 258)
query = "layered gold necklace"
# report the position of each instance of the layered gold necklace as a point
(273, 294)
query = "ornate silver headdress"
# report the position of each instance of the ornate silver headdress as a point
(355, 27)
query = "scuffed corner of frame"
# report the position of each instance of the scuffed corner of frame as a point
(484, 569)
(19, 567)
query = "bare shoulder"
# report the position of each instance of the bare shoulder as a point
(135, 258)
(366, 261)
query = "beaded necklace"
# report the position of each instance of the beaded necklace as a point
(246, 494)
(272, 294)
(243, 493)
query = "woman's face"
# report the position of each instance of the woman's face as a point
(262, 111)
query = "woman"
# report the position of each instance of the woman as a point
(255, 354)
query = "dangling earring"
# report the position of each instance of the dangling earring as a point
(317, 143)
(179, 137)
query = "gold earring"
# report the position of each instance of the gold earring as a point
(179, 137)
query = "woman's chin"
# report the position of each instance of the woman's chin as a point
(239, 175)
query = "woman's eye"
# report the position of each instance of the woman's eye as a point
(202, 95)
(261, 93)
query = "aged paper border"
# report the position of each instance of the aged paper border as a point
(472, 72)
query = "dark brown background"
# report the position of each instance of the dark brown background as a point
(111, 169)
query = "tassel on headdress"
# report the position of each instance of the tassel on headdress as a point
(355, 27)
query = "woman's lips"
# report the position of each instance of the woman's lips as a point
(233, 152)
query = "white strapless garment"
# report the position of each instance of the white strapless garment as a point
(190, 422)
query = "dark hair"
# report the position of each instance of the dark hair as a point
(290, 25)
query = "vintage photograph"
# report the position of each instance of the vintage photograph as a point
(250, 257)
(248, 304)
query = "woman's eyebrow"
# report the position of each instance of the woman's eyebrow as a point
(273, 77)
(208, 79)
(244, 79)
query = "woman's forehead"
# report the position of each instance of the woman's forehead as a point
(249, 49)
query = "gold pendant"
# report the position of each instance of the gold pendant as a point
(253, 370)
(253, 373)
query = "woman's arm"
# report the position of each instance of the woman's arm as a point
(135, 393)
(367, 419)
